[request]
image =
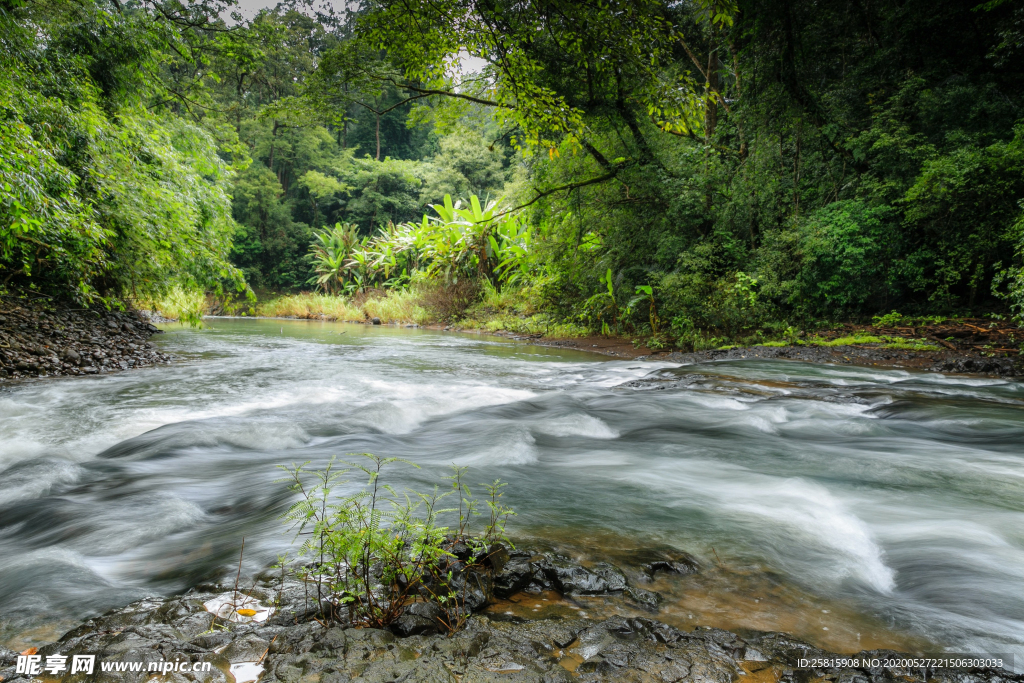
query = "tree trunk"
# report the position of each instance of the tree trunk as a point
(796, 170)
(273, 136)
(711, 103)
(378, 135)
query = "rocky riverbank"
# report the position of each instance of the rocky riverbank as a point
(967, 362)
(958, 359)
(40, 339)
(269, 629)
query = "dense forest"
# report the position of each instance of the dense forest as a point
(684, 171)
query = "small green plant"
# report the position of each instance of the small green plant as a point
(378, 550)
(656, 343)
(605, 302)
(645, 294)
(909, 344)
(888, 320)
(745, 288)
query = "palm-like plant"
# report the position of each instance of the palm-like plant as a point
(493, 243)
(457, 242)
(331, 251)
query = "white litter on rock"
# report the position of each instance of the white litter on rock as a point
(226, 606)
(246, 672)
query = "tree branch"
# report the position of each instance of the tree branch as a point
(598, 157)
(561, 188)
(446, 93)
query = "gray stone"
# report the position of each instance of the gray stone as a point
(646, 599)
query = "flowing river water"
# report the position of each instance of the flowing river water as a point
(853, 507)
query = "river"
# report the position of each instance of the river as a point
(852, 507)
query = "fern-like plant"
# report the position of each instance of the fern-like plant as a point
(376, 551)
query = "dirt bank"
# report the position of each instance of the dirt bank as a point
(968, 345)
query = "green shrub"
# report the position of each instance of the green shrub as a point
(378, 550)
(844, 254)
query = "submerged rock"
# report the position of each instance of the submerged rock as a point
(683, 564)
(648, 600)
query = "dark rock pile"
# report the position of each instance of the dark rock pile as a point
(41, 341)
(271, 630)
(534, 572)
(502, 573)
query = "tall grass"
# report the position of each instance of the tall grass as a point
(185, 305)
(398, 306)
(308, 305)
(535, 324)
(509, 298)
(423, 305)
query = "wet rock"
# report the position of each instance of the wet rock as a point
(516, 574)
(648, 600)
(614, 578)
(495, 557)
(1004, 367)
(571, 578)
(472, 587)
(684, 565)
(531, 571)
(375, 321)
(627, 650)
(247, 647)
(420, 618)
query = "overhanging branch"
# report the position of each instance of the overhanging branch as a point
(561, 188)
(425, 92)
